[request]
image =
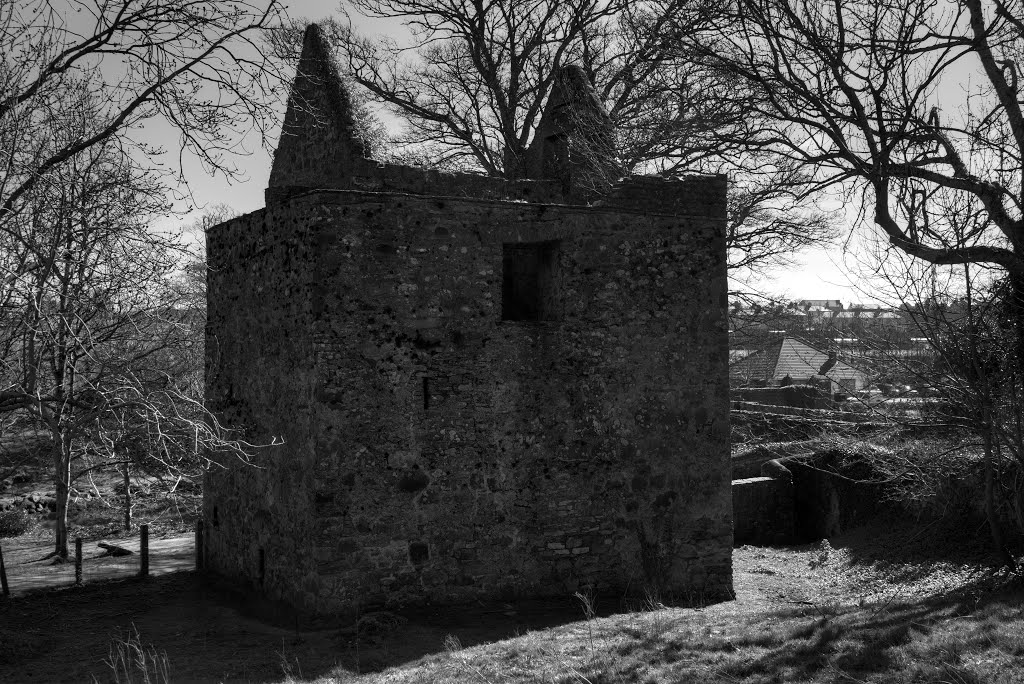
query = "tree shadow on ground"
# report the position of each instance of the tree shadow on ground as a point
(957, 541)
(210, 635)
(923, 641)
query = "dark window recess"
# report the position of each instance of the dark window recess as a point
(530, 281)
(263, 566)
(426, 393)
(216, 520)
(419, 553)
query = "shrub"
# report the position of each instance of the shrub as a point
(13, 523)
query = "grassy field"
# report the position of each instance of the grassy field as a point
(884, 604)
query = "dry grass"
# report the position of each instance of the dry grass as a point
(842, 612)
(907, 643)
(820, 613)
(132, 662)
(898, 604)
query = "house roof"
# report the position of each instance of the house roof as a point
(789, 356)
(825, 303)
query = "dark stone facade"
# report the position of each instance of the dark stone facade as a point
(479, 389)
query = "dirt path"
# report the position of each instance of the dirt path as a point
(28, 567)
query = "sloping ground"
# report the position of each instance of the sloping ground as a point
(885, 604)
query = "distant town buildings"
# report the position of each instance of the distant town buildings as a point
(868, 344)
(793, 361)
(823, 322)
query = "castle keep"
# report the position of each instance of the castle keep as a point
(479, 388)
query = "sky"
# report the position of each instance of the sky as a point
(814, 274)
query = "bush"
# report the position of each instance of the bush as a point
(13, 523)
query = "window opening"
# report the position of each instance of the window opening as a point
(530, 281)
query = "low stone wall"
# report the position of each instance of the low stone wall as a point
(813, 413)
(826, 503)
(762, 510)
(795, 396)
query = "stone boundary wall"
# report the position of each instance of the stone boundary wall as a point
(762, 511)
(794, 396)
(813, 414)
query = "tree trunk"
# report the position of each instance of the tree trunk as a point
(62, 483)
(990, 503)
(1018, 503)
(127, 497)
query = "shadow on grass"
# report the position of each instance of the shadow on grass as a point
(209, 634)
(957, 541)
(924, 641)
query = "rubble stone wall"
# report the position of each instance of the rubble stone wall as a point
(259, 379)
(762, 511)
(436, 452)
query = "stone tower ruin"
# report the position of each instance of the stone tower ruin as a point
(478, 388)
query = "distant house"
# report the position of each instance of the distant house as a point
(820, 304)
(796, 360)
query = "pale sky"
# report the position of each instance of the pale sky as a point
(816, 274)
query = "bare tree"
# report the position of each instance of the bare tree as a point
(479, 73)
(93, 333)
(473, 86)
(127, 437)
(474, 80)
(968, 322)
(914, 107)
(867, 96)
(194, 64)
(97, 350)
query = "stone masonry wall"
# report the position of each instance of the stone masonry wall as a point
(762, 511)
(435, 452)
(259, 379)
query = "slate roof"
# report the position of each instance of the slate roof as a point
(789, 356)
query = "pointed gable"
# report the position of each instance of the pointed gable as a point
(575, 139)
(319, 148)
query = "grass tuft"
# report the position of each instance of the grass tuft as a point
(133, 663)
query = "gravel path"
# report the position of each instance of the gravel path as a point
(28, 567)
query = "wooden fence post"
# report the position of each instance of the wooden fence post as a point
(3, 575)
(78, 561)
(200, 557)
(144, 551)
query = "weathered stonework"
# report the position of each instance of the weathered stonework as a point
(762, 509)
(481, 390)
